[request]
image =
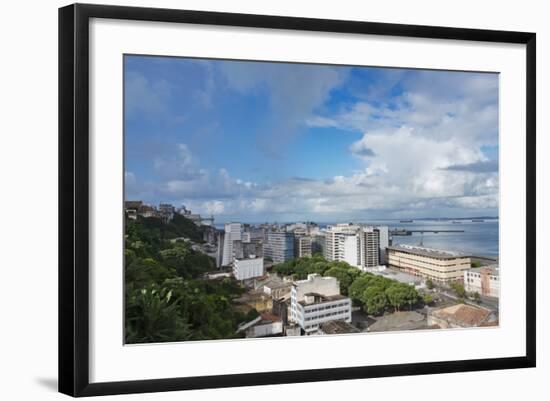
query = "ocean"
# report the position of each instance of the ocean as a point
(478, 238)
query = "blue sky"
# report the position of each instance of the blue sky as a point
(260, 141)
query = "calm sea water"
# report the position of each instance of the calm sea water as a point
(478, 238)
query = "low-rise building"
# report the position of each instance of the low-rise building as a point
(268, 325)
(317, 300)
(437, 265)
(460, 315)
(247, 268)
(483, 280)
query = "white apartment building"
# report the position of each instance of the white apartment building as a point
(233, 232)
(359, 246)
(370, 247)
(342, 244)
(384, 242)
(317, 300)
(483, 280)
(244, 269)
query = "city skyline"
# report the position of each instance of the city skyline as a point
(260, 141)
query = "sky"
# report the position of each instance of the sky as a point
(261, 141)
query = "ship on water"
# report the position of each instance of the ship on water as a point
(477, 220)
(405, 221)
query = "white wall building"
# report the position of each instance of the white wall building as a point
(317, 300)
(359, 246)
(483, 280)
(342, 244)
(233, 232)
(244, 269)
(384, 242)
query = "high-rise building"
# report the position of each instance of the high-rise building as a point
(384, 242)
(279, 246)
(233, 232)
(318, 243)
(354, 244)
(302, 246)
(370, 246)
(342, 244)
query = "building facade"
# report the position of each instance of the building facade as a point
(437, 265)
(245, 269)
(233, 232)
(302, 246)
(370, 247)
(483, 280)
(279, 246)
(317, 300)
(359, 246)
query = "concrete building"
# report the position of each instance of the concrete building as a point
(359, 246)
(244, 269)
(483, 280)
(233, 232)
(279, 246)
(317, 300)
(369, 241)
(269, 325)
(302, 246)
(342, 243)
(383, 243)
(438, 265)
(318, 243)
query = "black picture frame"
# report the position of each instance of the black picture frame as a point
(74, 200)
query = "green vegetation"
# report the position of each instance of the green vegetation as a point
(476, 264)
(459, 290)
(375, 294)
(429, 284)
(475, 296)
(165, 298)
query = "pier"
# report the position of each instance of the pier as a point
(410, 232)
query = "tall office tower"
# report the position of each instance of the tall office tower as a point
(279, 246)
(233, 232)
(302, 246)
(384, 238)
(342, 244)
(318, 243)
(370, 246)
(219, 253)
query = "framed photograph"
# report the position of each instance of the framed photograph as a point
(251, 199)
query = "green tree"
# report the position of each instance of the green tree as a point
(427, 299)
(476, 296)
(476, 264)
(396, 295)
(458, 289)
(374, 300)
(345, 276)
(152, 315)
(429, 284)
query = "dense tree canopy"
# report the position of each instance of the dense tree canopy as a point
(374, 293)
(166, 299)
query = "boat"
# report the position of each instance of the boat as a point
(457, 222)
(477, 220)
(405, 221)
